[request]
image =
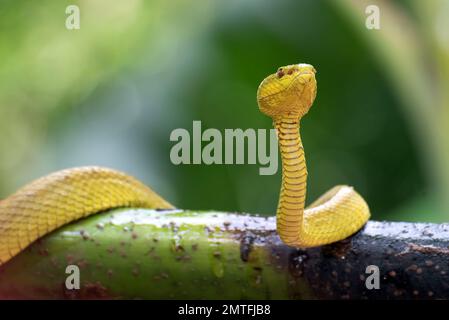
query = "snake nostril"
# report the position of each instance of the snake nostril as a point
(280, 73)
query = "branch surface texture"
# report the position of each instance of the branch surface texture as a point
(176, 254)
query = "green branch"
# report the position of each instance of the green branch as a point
(211, 255)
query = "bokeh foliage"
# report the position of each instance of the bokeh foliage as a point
(110, 94)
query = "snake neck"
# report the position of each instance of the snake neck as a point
(290, 213)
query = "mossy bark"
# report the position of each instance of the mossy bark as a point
(148, 254)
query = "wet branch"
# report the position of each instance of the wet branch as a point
(211, 255)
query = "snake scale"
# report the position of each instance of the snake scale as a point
(65, 196)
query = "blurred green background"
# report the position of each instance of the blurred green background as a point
(111, 93)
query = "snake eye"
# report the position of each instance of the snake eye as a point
(280, 73)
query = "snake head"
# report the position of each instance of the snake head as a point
(288, 92)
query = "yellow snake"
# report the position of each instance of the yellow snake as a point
(65, 196)
(286, 96)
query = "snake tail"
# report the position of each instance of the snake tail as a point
(65, 196)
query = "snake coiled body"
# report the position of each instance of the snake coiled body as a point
(337, 214)
(62, 197)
